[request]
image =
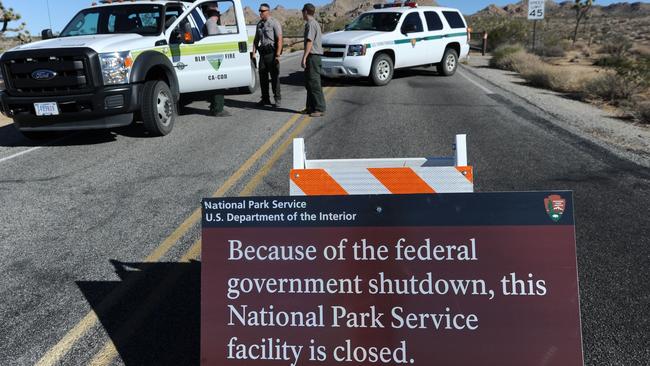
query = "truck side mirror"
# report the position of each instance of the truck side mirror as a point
(188, 36)
(47, 34)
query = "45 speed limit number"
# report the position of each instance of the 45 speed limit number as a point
(535, 9)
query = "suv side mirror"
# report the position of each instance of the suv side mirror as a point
(47, 34)
(188, 36)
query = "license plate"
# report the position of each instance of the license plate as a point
(46, 109)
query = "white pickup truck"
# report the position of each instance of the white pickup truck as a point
(394, 36)
(117, 61)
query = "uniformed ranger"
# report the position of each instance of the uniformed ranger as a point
(268, 41)
(311, 62)
(211, 28)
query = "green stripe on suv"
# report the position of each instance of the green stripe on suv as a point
(428, 38)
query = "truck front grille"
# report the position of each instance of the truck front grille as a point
(71, 74)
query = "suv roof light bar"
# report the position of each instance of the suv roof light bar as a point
(409, 4)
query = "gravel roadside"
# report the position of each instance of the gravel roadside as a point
(623, 138)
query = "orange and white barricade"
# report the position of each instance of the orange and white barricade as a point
(381, 176)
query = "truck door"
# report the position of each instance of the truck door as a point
(411, 47)
(215, 60)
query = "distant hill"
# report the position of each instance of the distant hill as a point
(341, 10)
(565, 9)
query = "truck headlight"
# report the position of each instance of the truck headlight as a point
(356, 50)
(116, 67)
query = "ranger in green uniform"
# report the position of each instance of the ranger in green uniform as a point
(311, 62)
(211, 28)
(268, 41)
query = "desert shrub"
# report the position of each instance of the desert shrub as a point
(618, 86)
(535, 70)
(544, 75)
(501, 56)
(502, 30)
(550, 51)
(613, 61)
(616, 45)
(641, 111)
(551, 44)
(641, 51)
(608, 87)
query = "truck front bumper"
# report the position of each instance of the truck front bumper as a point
(107, 107)
(351, 66)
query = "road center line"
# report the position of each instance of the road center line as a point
(109, 352)
(58, 351)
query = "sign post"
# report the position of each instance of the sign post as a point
(447, 279)
(536, 10)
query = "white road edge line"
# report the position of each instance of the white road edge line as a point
(2, 160)
(488, 91)
(20, 153)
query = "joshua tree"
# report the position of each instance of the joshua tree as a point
(8, 15)
(581, 7)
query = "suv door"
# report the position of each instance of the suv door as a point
(212, 61)
(411, 48)
(435, 39)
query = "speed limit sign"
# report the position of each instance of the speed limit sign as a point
(536, 9)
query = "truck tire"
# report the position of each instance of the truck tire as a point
(158, 108)
(449, 63)
(382, 70)
(255, 82)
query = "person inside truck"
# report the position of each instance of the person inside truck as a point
(213, 21)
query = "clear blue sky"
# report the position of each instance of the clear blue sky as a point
(35, 13)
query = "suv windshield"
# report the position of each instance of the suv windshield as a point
(383, 22)
(144, 19)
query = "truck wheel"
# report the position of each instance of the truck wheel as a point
(255, 80)
(158, 108)
(449, 63)
(381, 72)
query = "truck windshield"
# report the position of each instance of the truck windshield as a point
(144, 19)
(383, 22)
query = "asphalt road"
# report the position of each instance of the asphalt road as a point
(98, 230)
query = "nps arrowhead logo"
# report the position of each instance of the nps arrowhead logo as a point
(215, 61)
(414, 41)
(555, 206)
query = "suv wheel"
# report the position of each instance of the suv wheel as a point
(381, 72)
(158, 108)
(449, 63)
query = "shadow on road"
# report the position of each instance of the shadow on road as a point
(155, 318)
(11, 137)
(253, 105)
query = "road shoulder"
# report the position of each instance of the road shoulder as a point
(603, 128)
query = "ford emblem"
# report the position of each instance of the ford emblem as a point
(43, 75)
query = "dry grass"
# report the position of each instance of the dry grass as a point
(641, 111)
(538, 72)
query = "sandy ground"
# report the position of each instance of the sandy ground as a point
(4, 121)
(601, 126)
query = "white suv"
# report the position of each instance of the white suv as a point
(394, 36)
